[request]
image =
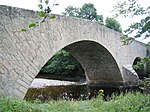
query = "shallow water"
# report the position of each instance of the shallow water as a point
(69, 92)
(56, 92)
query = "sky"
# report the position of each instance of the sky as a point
(104, 7)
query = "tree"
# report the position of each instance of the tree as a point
(87, 11)
(64, 64)
(131, 8)
(71, 11)
(113, 24)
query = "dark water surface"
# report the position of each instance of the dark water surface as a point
(75, 92)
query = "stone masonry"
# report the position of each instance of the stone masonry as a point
(106, 61)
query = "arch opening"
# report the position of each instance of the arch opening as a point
(62, 66)
(140, 68)
(99, 66)
(61, 75)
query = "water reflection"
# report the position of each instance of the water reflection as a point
(71, 92)
(57, 92)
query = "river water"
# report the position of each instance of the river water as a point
(45, 89)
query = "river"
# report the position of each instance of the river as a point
(45, 89)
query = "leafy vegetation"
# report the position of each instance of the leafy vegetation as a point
(145, 85)
(141, 63)
(128, 103)
(63, 63)
(131, 8)
(142, 67)
(113, 24)
(45, 12)
(88, 11)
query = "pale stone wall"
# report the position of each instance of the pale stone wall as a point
(22, 54)
(99, 65)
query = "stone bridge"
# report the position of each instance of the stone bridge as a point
(106, 61)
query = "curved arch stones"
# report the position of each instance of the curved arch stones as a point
(99, 50)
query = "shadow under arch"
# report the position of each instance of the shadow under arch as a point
(62, 66)
(141, 70)
(98, 63)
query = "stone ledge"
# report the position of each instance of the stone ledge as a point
(130, 76)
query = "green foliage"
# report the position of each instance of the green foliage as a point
(145, 85)
(23, 30)
(40, 6)
(46, 2)
(32, 25)
(126, 39)
(131, 9)
(41, 13)
(45, 12)
(143, 62)
(87, 11)
(52, 17)
(123, 103)
(62, 63)
(140, 65)
(143, 28)
(113, 24)
(71, 11)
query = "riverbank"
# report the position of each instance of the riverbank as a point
(130, 102)
(39, 83)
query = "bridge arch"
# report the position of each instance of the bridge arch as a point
(99, 65)
(22, 54)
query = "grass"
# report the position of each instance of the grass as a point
(130, 102)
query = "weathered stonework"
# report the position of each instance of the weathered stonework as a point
(98, 49)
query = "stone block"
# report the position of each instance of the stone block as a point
(18, 94)
(22, 83)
